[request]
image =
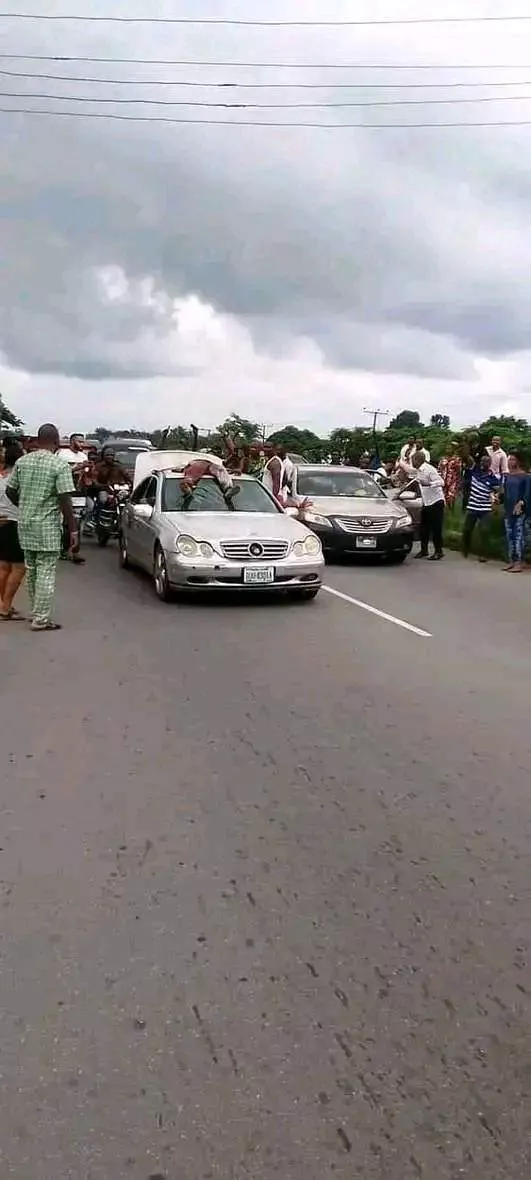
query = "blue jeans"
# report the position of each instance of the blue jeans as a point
(515, 534)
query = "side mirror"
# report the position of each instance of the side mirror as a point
(143, 511)
(291, 511)
(410, 495)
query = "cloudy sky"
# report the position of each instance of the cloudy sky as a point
(156, 272)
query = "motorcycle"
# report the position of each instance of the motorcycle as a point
(108, 514)
(78, 509)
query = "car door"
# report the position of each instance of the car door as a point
(144, 534)
(134, 512)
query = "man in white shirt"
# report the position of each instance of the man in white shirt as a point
(278, 473)
(419, 446)
(499, 465)
(410, 449)
(432, 516)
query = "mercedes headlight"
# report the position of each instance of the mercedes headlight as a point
(310, 547)
(189, 547)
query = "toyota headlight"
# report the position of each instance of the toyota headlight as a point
(310, 547)
(314, 518)
(189, 547)
(403, 522)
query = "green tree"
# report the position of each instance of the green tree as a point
(346, 446)
(406, 420)
(514, 433)
(300, 442)
(7, 417)
(440, 420)
(236, 427)
(101, 433)
(162, 437)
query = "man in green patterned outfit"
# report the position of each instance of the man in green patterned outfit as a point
(41, 484)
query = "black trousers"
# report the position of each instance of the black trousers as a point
(431, 526)
(471, 520)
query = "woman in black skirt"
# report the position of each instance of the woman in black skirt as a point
(12, 568)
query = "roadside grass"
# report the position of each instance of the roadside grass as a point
(488, 539)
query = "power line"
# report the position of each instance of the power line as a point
(258, 123)
(276, 24)
(283, 106)
(263, 65)
(268, 85)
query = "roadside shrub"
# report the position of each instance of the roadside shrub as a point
(488, 539)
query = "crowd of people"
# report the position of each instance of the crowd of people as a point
(483, 480)
(37, 523)
(38, 526)
(35, 497)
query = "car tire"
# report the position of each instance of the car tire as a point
(305, 595)
(396, 558)
(125, 563)
(160, 576)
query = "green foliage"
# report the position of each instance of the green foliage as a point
(488, 539)
(177, 438)
(240, 428)
(408, 419)
(101, 433)
(301, 442)
(345, 445)
(514, 432)
(7, 417)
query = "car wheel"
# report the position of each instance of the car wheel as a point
(305, 595)
(160, 576)
(396, 558)
(125, 564)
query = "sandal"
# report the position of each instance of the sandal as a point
(11, 616)
(48, 626)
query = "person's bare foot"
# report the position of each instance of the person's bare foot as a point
(517, 568)
(507, 569)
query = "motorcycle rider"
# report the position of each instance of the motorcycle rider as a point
(107, 472)
(77, 450)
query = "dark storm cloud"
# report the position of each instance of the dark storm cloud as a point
(393, 251)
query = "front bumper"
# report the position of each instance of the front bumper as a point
(219, 574)
(337, 540)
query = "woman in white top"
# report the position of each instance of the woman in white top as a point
(12, 567)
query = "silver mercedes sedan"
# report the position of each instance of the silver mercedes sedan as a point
(248, 546)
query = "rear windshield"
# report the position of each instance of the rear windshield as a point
(208, 497)
(128, 457)
(338, 483)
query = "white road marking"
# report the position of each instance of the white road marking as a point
(381, 613)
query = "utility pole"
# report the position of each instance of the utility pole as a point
(375, 414)
(266, 429)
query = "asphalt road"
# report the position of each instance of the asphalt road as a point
(265, 883)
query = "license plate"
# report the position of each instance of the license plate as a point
(259, 575)
(365, 542)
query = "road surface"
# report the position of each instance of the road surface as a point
(265, 882)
